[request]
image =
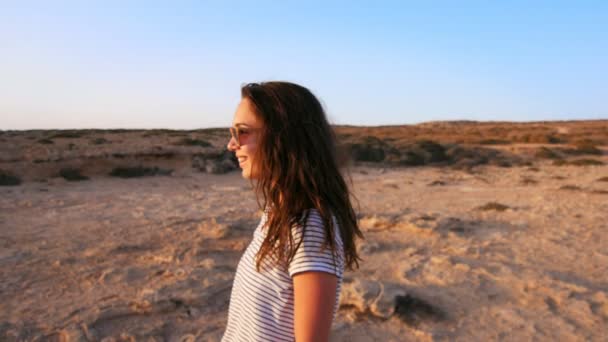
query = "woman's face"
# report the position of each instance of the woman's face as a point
(249, 127)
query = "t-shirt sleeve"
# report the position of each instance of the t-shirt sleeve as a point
(311, 256)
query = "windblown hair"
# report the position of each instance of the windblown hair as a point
(298, 170)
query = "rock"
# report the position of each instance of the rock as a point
(370, 296)
(187, 338)
(412, 310)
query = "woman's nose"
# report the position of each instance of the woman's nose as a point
(232, 144)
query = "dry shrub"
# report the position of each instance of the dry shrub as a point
(541, 139)
(600, 192)
(68, 134)
(578, 162)
(546, 153)
(469, 157)
(99, 141)
(587, 146)
(72, 175)
(528, 181)
(139, 171)
(154, 132)
(603, 179)
(493, 142)
(411, 158)
(436, 152)
(8, 179)
(585, 162)
(193, 142)
(45, 141)
(437, 182)
(367, 153)
(570, 187)
(493, 206)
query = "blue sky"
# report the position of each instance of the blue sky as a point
(180, 64)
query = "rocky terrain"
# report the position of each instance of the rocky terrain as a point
(473, 232)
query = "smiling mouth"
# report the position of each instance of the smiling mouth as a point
(242, 160)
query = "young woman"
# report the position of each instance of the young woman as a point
(287, 283)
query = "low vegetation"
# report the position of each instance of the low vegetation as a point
(8, 179)
(71, 174)
(139, 171)
(547, 153)
(193, 142)
(99, 141)
(493, 206)
(578, 162)
(587, 147)
(528, 181)
(494, 142)
(437, 183)
(68, 134)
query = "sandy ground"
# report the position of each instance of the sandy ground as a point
(153, 258)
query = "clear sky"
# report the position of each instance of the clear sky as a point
(180, 64)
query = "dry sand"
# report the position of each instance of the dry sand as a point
(153, 258)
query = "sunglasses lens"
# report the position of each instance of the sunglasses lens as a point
(234, 133)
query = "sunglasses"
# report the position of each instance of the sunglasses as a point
(241, 132)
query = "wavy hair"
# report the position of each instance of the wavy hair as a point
(298, 170)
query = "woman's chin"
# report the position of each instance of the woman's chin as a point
(245, 173)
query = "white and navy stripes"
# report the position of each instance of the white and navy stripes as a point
(261, 303)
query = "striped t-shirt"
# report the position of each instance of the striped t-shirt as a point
(261, 304)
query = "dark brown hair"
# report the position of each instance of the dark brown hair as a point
(298, 170)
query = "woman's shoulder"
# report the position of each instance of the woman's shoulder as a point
(314, 222)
